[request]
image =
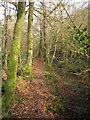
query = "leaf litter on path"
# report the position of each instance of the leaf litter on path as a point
(32, 98)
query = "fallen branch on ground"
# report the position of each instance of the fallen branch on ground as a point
(78, 74)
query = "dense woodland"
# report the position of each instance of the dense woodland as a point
(45, 47)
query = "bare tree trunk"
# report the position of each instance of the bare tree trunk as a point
(44, 30)
(41, 41)
(55, 49)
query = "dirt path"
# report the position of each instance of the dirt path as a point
(32, 98)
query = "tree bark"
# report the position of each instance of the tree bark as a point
(30, 38)
(41, 41)
(13, 59)
(44, 31)
(5, 36)
(89, 36)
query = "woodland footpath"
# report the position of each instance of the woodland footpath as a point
(45, 59)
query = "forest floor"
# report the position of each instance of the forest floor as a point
(76, 93)
(32, 98)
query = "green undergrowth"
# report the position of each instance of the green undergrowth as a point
(19, 99)
(51, 81)
(20, 78)
(25, 72)
(22, 84)
(57, 106)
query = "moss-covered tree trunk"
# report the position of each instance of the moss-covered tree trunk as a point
(44, 30)
(5, 36)
(30, 39)
(13, 59)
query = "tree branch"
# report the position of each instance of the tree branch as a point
(53, 9)
(68, 15)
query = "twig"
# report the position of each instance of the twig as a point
(78, 74)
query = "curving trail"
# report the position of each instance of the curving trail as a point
(32, 98)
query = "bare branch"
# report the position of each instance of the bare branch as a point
(37, 16)
(15, 4)
(54, 9)
(68, 15)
